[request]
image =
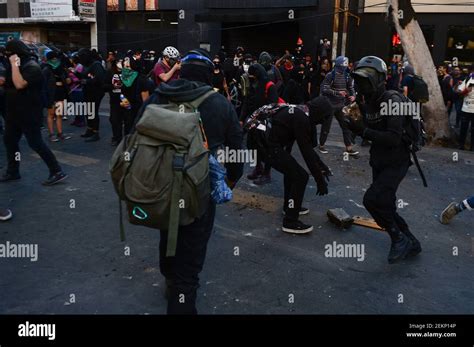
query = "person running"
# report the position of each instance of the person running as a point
(455, 208)
(167, 69)
(23, 113)
(338, 86)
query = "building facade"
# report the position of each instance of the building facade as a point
(448, 30)
(273, 25)
(66, 24)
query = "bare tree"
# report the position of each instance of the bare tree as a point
(415, 47)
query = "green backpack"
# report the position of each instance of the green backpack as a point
(161, 171)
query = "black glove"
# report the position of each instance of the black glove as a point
(322, 188)
(321, 183)
(356, 126)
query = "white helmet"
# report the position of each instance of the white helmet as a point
(171, 52)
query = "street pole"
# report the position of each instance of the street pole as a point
(335, 34)
(345, 26)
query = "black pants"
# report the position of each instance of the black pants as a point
(261, 156)
(122, 121)
(326, 128)
(94, 122)
(466, 118)
(183, 269)
(32, 132)
(380, 198)
(295, 179)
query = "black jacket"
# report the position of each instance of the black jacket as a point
(219, 119)
(297, 126)
(386, 133)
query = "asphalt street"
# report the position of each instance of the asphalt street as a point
(252, 267)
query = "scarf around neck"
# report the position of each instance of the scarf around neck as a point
(128, 76)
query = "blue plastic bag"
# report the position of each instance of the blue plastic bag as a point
(220, 191)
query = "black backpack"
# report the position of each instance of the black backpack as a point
(420, 92)
(414, 135)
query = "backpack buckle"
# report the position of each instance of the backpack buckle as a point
(178, 162)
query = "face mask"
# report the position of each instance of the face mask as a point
(364, 86)
(246, 67)
(119, 66)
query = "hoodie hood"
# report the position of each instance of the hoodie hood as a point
(182, 90)
(18, 47)
(320, 109)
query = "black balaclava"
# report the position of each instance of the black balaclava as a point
(85, 57)
(262, 79)
(17, 47)
(320, 109)
(369, 83)
(197, 72)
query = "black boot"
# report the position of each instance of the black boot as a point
(256, 173)
(401, 245)
(416, 246)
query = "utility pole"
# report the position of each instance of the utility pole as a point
(345, 26)
(335, 30)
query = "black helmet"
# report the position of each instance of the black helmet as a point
(198, 56)
(371, 62)
(370, 75)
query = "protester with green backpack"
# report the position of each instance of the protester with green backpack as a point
(161, 172)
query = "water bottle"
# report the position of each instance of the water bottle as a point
(124, 99)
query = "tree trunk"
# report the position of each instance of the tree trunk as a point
(415, 47)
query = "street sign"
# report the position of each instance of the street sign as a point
(51, 8)
(87, 10)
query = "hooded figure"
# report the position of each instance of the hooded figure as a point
(290, 124)
(222, 130)
(24, 113)
(19, 48)
(85, 57)
(197, 66)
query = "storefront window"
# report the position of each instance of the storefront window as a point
(460, 46)
(112, 5)
(151, 5)
(131, 5)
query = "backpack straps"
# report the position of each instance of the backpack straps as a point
(178, 168)
(197, 102)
